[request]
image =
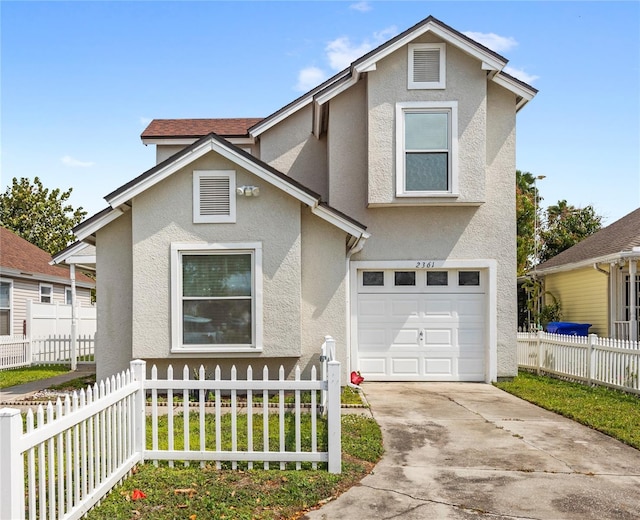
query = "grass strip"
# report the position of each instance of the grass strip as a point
(20, 376)
(609, 411)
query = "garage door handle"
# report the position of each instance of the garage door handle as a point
(422, 334)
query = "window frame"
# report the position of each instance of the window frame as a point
(198, 218)
(178, 250)
(426, 85)
(68, 291)
(9, 282)
(46, 286)
(412, 107)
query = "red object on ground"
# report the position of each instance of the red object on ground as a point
(356, 378)
(137, 495)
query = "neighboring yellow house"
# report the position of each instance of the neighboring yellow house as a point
(592, 280)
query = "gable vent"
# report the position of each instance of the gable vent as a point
(426, 65)
(214, 196)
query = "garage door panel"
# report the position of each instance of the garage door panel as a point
(435, 337)
(438, 305)
(407, 337)
(441, 367)
(404, 307)
(405, 366)
(374, 366)
(368, 307)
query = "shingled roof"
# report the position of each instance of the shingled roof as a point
(196, 128)
(621, 236)
(19, 257)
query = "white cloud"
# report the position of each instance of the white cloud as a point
(363, 7)
(494, 41)
(67, 160)
(309, 78)
(521, 74)
(340, 53)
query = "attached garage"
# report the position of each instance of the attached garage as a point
(421, 324)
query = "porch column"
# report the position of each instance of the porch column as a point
(633, 298)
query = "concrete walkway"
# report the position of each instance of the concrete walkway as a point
(465, 450)
(20, 392)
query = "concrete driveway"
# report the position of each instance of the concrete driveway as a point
(466, 450)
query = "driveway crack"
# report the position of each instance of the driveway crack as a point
(426, 501)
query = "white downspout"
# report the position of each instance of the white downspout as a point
(633, 298)
(355, 248)
(74, 319)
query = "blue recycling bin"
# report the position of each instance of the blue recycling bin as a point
(569, 328)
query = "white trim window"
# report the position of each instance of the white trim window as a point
(216, 300)
(427, 66)
(214, 196)
(427, 149)
(6, 300)
(46, 293)
(68, 296)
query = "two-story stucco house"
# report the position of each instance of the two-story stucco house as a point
(378, 208)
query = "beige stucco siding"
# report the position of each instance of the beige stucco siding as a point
(163, 215)
(324, 310)
(114, 297)
(583, 297)
(291, 148)
(466, 84)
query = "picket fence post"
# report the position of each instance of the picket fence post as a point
(334, 444)
(539, 344)
(11, 465)
(139, 371)
(591, 361)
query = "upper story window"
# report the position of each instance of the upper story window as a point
(427, 149)
(214, 199)
(46, 293)
(216, 299)
(5, 308)
(427, 68)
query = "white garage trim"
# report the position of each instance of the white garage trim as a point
(489, 268)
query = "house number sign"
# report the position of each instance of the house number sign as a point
(425, 264)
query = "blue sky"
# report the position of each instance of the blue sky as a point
(81, 80)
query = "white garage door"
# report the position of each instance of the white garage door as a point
(421, 325)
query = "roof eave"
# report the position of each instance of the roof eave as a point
(605, 259)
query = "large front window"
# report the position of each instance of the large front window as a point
(216, 301)
(427, 148)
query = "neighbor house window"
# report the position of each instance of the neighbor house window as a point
(5, 308)
(427, 68)
(214, 196)
(46, 293)
(68, 296)
(216, 296)
(426, 145)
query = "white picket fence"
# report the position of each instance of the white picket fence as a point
(589, 359)
(76, 451)
(18, 351)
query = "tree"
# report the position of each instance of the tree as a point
(565, 226)
(39, 215)
(526, 206)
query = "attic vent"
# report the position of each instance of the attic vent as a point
(427, 66)
(214, 196)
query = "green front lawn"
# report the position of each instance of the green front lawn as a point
(196, 493)
(612, 412)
